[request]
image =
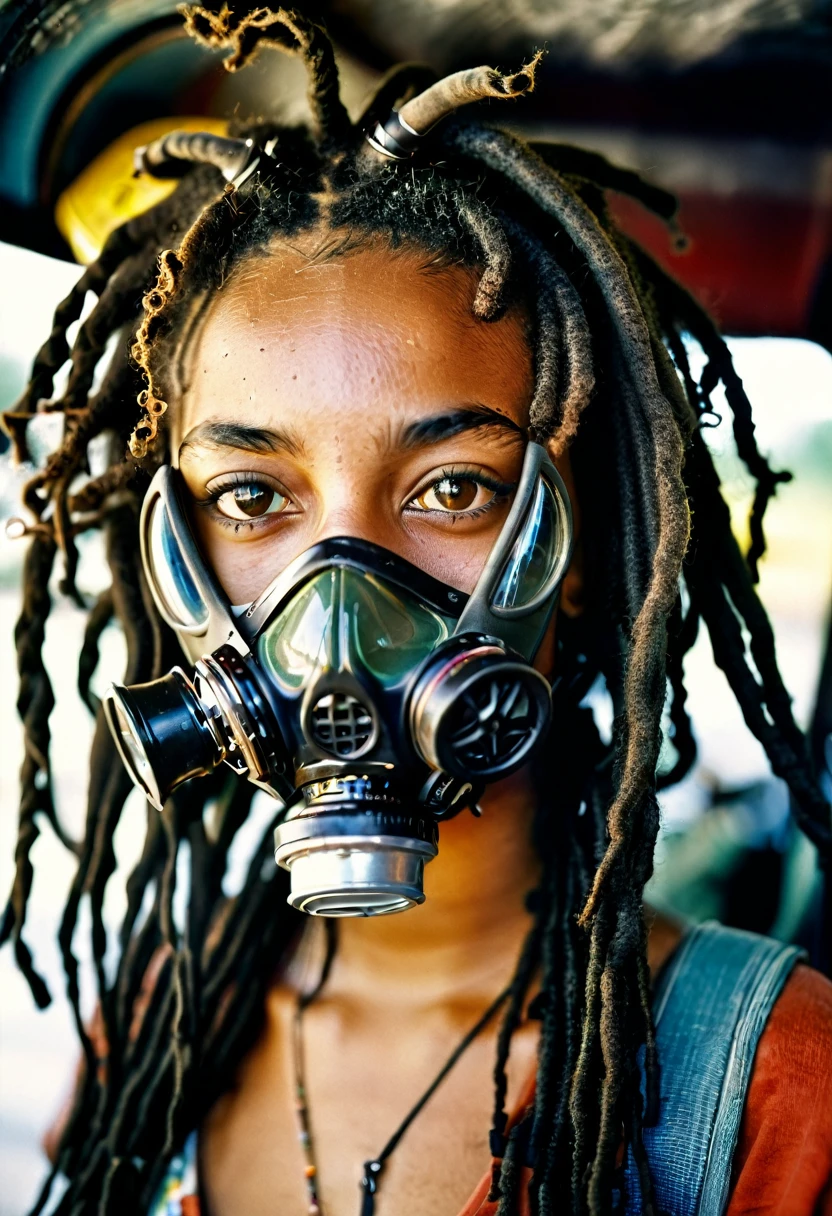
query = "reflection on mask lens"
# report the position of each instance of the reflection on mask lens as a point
(172, 578)
(533, 554)
(342, 619)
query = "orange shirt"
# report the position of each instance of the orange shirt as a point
(783, 1159)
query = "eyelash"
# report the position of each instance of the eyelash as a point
(230, 482)
(502, 490)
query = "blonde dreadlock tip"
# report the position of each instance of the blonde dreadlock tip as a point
(528, 70)
(15, 529)
(426, 109)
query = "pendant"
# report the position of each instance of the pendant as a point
(369, 1185)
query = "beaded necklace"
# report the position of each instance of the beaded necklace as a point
(373, 1168)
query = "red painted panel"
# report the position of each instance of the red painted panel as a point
(753, 262)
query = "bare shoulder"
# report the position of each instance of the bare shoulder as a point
(664, 935)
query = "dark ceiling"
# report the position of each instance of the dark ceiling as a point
(726, 102)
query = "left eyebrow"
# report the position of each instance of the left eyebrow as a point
(456, 422)
(242, 437)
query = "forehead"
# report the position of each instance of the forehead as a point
(370, 336)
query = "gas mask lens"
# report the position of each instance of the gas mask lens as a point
(535, 560)
(484, 712)
(342, 618)
(372, 699)
(175, 590)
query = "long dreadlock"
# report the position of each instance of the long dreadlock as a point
(613, 383)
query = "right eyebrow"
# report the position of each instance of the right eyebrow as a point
(439, 427)
(241, 437)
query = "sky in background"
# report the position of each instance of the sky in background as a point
(790, 386)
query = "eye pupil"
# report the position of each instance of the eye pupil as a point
(253, 499)
(455, 493)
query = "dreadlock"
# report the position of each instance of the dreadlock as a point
(613, 383)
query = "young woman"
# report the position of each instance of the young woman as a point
(382, 362)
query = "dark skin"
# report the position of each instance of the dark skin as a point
(360, 396)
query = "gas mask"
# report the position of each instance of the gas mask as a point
(372, 699)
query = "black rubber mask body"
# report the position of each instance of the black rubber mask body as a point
(371, 698)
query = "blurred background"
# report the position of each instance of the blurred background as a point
(727, 105)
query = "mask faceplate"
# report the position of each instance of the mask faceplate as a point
(373, 699)
(342, 619)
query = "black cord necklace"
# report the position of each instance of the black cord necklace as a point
(373, 1168)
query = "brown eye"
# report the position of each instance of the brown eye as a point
(454, 494)
(250, 500)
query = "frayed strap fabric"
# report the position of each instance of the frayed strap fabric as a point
(711, 1006)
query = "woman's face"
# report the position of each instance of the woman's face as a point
(357, 396)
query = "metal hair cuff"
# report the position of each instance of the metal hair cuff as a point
(394, 138)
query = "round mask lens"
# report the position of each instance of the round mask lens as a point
(173, 583)
(538, 553)
(345, 617)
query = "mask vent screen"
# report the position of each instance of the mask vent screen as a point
(341, 725)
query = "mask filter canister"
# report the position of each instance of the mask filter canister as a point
(353, 850)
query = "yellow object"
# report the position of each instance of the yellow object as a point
(106, 193)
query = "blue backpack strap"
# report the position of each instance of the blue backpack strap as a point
(710, 1006)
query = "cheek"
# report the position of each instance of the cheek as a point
(457, 560)
(245, 566)
(242, 569)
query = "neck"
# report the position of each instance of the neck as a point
(464, 940)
